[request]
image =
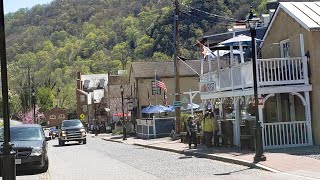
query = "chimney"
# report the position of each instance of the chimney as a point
(79, 83)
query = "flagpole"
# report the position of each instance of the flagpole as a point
(155, 81)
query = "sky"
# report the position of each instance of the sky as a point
(15, 5)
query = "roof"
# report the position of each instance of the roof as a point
(94, 80)
(166, 68)
(215, 39)
(305, 13)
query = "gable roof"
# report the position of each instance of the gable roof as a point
(166, 68)
(305, 13)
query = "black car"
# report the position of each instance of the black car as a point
(30, 145)
(53, 132)
(72, 130)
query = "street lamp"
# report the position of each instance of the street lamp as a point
(33, 94)
(7, 162)
(252, 22)
(124, 129)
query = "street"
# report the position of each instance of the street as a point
(100, 159)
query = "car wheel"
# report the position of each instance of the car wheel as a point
(46, 166)
(84, 141)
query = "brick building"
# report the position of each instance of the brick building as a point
(55, 116)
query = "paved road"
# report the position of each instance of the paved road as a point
(100, 160)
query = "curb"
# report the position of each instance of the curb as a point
(214, 157)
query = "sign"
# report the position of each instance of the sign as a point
(260, 101)
(177, 104)
(130, 106)
(81, 116)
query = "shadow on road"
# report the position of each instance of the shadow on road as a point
(27, 173)
(69, 144)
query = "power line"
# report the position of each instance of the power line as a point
(214, 15)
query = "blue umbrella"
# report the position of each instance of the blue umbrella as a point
(146, 109)
(156, 109)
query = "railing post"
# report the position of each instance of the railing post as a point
(231, 75)
(305, 70)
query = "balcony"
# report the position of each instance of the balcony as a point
(270, 72)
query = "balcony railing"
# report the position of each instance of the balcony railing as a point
(270, 72)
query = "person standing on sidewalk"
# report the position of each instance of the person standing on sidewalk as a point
(215, 130)
(192, 132)
(208, 129)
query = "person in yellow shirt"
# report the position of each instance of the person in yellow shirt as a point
(207, 125)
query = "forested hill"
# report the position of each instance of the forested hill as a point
(56, 40)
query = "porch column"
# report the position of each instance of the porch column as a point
(292, 107)
(308, 116)
(260, 108)
(279, 107)
(236, 137)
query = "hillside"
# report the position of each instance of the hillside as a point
(50, 43)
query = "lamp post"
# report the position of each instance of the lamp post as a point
(252, 22)
(33, 95)
(7, 165)
(124, 129)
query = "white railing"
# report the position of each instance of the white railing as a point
(285, 134)
(270, 72)
(278, 71)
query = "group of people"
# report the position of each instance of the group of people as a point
(96, 128)
(210, 129)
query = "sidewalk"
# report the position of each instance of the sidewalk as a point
(302, 159)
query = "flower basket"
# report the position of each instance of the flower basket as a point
(251, 109)
(228, 108)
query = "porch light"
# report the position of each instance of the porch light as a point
(252, 23)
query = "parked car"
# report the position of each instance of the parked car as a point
(30, 145)
(53, 132)
(72, 130)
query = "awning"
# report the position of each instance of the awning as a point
(120, 114)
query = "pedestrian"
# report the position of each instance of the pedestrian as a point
(208, 129)
(192, 132)
(96, 130)
(215, 130)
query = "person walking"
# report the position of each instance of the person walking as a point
(192, 132)
(208, 129)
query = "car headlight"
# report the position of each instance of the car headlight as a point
(36, 151)
(63, 133)
(82, 130)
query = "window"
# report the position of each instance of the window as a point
(62, 116)
(52, 117)
(82, 98)
(155, 90)
(285, 48)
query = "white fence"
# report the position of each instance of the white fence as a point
(285, 134)
(270, 72)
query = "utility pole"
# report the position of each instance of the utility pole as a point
(7, 163)
(176, 65)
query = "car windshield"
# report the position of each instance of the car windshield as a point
(23, 134)
(72, 124)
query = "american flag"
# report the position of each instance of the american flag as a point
(160, 84)
(165, 99)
